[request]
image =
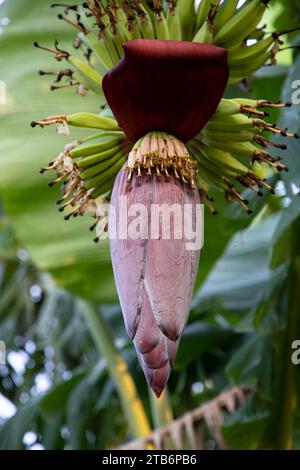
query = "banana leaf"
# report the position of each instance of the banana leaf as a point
(65, 249)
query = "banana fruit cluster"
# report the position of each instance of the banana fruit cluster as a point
(118, 21)
(228, 151)
(87, 169)
(232, 144)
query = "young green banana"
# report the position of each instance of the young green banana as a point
(243, 136)
(212, 178)
(231, 123)
(103, 188)
(202, 12)
(161, 26)
(94, 147)
(94, 159)
(145, 21)
(222, 158)
(100, 167)
(92, 121)
(232, 106)
(244, 54)
(205, 33)
(246, 69)
(108, 173)
(228, 107)
(212, 166)
(187, 15)
(174, 23)
(99, 49)
(239, 149)
(89, 74)
(241, 24)
(226, 12)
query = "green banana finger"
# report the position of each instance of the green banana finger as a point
(105, 175)
(242, 23)
(108, 41)
(124, 26)
(103, 188)
(248, 53)
(231, 123)
(202, 12)
(146, 26)
(174, 24)
(226, 11)
(222, 158)
(99, 49)
(248, 69)
(87, 84)
(205, 33)
(161, 27)
(102, 166)
(197, 154)
(92, 121)
(86, 71)
(92, 160)
(212, 178)
(95, 147)
(100, 135)
(243, 136)
(187, 17)
(239, 149)
(84, 120)
(228, 106)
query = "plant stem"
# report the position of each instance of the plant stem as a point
(288, 396)
(160, 409)
(130, 400)
(162, 414)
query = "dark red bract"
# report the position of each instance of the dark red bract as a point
(167, 86)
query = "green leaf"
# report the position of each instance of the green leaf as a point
(12, 432)
(251, 365)
(199, 338)
(244, 430)
(281, 250)
(65, 249)
(55, 401)
(290, 118)
(241, 279)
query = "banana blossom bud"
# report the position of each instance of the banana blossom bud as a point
(162, 93)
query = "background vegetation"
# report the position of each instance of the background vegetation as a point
(66, 383)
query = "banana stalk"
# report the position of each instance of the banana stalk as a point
(131, 403)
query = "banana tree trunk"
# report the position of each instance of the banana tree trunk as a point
(131, 403)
